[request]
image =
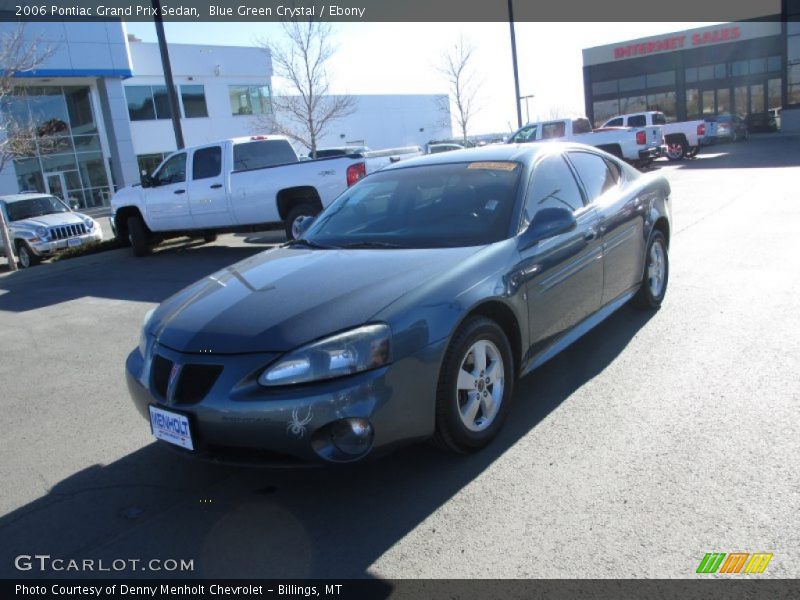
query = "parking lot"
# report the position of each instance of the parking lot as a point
(653, 440)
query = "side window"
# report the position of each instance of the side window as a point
(659, 119)
(637, 121)
(526, 134)
(581, 126)
(172, 171)
(207, 163)
(594, 173)
(614, 122)
(553, 130)
(552, 186)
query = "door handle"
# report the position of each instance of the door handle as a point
(590, 234)
(216, 186)
(179, 192)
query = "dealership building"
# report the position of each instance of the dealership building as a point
(741, 68)
(98, 112)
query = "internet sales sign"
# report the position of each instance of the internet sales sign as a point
(679, 42)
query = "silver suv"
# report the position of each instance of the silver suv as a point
(39, 225)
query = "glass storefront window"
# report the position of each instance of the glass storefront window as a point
(632, 104)
(140, 102)
(628, 84)
(758, 65)
(774, 63)
(662, 79)
(691, 74)
(194, 101)
(740, 100)
(692, 104)
(723, 100)
(666, 103)
(739, 68)
(705, 73)
(161, 100)
(67, 153)
(757, 98)
(604, 87)
(708, 103)
(774, 93)
(604, 110)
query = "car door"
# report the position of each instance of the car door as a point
(621, 218)
(565, 272)
(166, 198)
(208, 198)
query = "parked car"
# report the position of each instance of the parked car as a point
(682, 138)
(41, 225)
(340, 151)
(437, 148)
(407, 309)
(762, 122)
(731, 128)
(241, 184)
(637, 145)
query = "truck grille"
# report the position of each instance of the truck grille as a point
(194, 381)
(63, 232)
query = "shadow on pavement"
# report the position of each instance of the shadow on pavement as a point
(329, 522)
(117, 275)
(760, 152)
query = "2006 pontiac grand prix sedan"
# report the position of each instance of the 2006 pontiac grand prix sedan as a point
(406, 310)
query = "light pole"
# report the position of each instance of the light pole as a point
(172, 97)
(514, 60)
(527, 109)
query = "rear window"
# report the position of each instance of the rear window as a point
(581, 126)
(659, 119)
(260, 154)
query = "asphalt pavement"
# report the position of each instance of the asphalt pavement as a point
(656, 438)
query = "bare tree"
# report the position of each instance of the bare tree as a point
(306, 112)
(456, 66)
(18, 135)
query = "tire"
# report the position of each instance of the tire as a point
(139, 237)
(209, 237)
(455, 395)
(27, 257)
(654, 287)
(676, 150)
(301, 210)
(692, 152)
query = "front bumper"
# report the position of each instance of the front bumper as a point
(241, 422)
(46, 248)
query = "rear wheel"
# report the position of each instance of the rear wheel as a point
(656, 273)
(293, 218)
(676, 150)
(475, 387)
(27, 257)
(139, 237)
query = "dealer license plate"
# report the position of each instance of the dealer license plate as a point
(74, 242)
(171, 427)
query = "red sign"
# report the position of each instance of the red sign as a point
(678, 42)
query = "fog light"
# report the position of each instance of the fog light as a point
(352, 436)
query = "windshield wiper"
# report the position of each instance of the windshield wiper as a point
(370, 244)
(308, 244)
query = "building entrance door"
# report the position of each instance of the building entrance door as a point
(56, 185)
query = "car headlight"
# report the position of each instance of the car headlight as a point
(361, 349)
(89, 223)
(42, 233)
(144, 335)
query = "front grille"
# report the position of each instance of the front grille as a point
(194, 381)
(63, 232)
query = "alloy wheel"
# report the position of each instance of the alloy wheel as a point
(656, 269)
(479, 390)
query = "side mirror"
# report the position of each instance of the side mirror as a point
(302, 224)
(548, 222)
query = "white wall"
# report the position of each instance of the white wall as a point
(214, 67)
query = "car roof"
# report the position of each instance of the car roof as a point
(11, 198)
(524, 153)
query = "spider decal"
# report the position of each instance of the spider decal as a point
(297, 426)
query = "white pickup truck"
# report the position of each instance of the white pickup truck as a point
(241, 184)
(636, 145)
(683, 139)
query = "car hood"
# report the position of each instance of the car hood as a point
(283, 298)
(52, 220)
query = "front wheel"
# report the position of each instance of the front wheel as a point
(293, 219)
(27, 257)
(139, 237)
(475, 387)
(656, 273)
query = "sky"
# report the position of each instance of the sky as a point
(402, 58)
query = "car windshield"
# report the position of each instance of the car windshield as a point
(428, 206)
(35, 207)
